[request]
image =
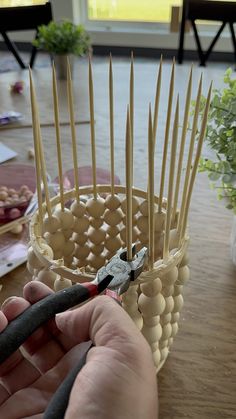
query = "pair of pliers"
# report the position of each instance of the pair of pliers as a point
(116, 276)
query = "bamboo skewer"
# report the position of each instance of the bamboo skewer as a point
(196, 161)
(190, 154)
(166, 140)
(43, 169)
(171, 183)
(151, 146)
(131, 97)
(129, 183)
(72, 125)
(157, 100)
(37, 158)
(58, 139)
(182, 143)
(92, 129)
(111, 115)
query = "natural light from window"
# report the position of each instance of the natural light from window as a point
(131, 10)
(18, 3)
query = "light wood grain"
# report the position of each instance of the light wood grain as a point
(198, 380)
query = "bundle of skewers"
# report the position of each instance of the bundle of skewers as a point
(74, 234)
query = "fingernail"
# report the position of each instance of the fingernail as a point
(7, 301)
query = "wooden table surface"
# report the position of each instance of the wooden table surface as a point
(199, 378)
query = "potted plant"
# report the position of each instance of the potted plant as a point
(221, 137)
(62, 39)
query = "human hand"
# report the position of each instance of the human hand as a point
(117, 381)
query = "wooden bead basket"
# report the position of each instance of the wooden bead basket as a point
(75, 233)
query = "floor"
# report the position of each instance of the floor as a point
(198, 380)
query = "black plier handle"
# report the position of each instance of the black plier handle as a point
(116, 275)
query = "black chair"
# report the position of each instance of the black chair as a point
(221, 11)
(23, 18)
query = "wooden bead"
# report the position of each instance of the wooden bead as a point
(55, 240)
(58, 254)
(17, 229)
(97, 249)
(62, 283)
(47, 277)
(166, 331)
(171, 277)
(113, 218)
(156, 357)
(169, 305)
(46, 250)
(96, 236)
(185, 260)
(112, 230)
(113, 243)
(30, 268)
(34, 262)
(96, 261)
(51, 224)
(178, 289)
(135, 234)
(143, 208)
(112, 202)
(68, 233)
(80, 238)
(170, 342)
(175, 317)
(151, 306)
(81, 225)
(166, 318)
(159, 220)
(152, 334)
(96, 222)
(174, 239)
(68, 260)
(184, 275)
(95, 207)
(143, 237)
(175, 329)
(81, 252)
(178, 303)
(142, 223)
(151, 321)
(163, 343)
(164, 353)
(167, 291)
(68, 248)
(78, 208)
(151, 288)
(66, 218)
(135, 205)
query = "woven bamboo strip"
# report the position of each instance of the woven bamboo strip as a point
(92, 129)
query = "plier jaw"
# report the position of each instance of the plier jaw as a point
(122, 270)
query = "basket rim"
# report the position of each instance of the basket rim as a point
(161, 267)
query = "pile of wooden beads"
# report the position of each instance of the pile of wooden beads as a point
(11, 201)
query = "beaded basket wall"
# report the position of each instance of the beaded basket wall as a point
(75, 233)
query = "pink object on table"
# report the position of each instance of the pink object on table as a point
(86, 176)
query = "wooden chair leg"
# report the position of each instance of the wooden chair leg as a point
(180, 54)
(231, 26)
(12, 48)
(214, 41)
(199, 47)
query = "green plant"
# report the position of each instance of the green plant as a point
(63, 38)
(221, 137)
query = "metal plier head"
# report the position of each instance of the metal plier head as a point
(122, 270)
